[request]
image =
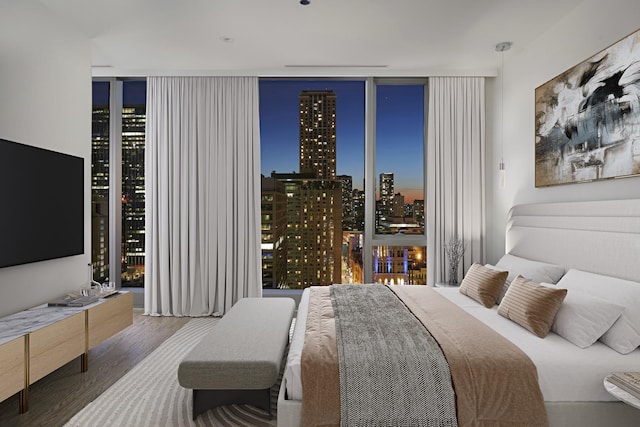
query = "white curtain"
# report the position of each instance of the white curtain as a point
(455, 172)
(202, 177)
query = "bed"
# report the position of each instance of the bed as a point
(591, 242)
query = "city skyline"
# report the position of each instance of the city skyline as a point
(310, 235)
(400, 123)
(312, 200)
(133, 207)
(320, 243)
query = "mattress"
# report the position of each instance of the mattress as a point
(566, 372)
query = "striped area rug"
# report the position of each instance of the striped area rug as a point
(149, 395)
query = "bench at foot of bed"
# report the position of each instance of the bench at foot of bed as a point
(239, 360)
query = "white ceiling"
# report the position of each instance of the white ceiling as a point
(326, 37)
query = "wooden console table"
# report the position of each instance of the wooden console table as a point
(36, 342)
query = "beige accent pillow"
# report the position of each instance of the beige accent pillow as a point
(531, 305)
(483, 284)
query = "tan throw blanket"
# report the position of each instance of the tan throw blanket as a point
(495, 382)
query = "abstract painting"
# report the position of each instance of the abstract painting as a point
(588, 118)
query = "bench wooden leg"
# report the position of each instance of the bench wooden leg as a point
(204, 400)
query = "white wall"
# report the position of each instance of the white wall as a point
(591, 27)
(45, 101)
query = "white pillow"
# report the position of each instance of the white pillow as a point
(535, 271)
(624, 335)
(584, 318)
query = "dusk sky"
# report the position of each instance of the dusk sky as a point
(400, 127)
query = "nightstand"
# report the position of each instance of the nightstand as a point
(621, 394)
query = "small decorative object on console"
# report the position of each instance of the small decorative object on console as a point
(107, 289)
(73, 301)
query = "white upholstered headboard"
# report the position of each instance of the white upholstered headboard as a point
(597, 236)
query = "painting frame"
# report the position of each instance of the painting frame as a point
(587, 119)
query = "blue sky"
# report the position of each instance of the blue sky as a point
(399, 130)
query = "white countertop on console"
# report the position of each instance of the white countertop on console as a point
(30, 320)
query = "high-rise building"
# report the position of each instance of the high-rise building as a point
(133, 213)
(408, 210)
(100, 192)
(386, 194)
(398, 206)
(314, 197)
(358, 209)
(418, 212)
(318, 133)
(100, 239)
(348, 217)
(274, 233)
(314, 230)
(384, 205)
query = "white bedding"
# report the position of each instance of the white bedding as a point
(292, 371)
(566, 372)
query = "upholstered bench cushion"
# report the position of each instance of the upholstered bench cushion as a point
(244, 350)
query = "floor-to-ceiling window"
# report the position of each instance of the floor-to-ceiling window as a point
(100, 181)
(398, 251)
(117, 181)
(342, 166)
(134, 96)
(312, 160)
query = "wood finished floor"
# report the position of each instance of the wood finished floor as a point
(56, 398)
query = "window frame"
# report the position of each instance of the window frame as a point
(116, 99)
(115, 177)
(372, 239)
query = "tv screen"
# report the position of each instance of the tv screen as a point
(41, 204)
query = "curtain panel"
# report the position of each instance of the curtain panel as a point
(455, 172)
(202, 173)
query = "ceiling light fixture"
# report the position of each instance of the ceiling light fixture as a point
(304, 2)
(502, 47)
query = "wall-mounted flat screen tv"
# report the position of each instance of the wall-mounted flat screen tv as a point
(41, 204)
